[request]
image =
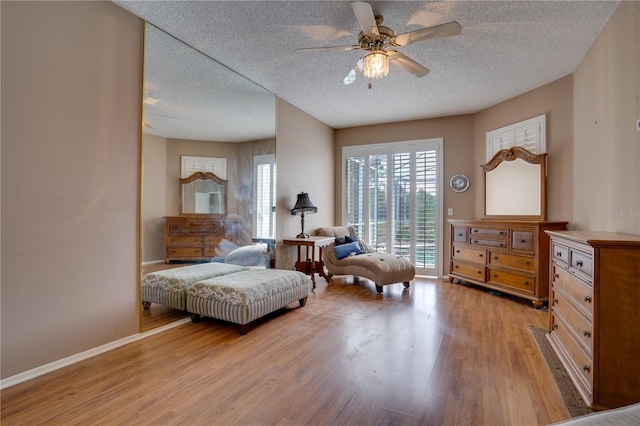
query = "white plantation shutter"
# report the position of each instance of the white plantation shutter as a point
(190, 165)
(264, 196)
(392, 199)
(529, 134)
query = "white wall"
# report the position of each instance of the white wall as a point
(304, 161)
(606, 102)
(71, 124)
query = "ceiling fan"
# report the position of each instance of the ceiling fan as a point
(379, 41)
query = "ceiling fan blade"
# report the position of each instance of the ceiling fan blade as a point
(407, 64)
(439, 31)
(351, 77)
(327, 48)
(366, 18)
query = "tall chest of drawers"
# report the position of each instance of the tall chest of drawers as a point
(505, 255)
(594, 320)
(189, 239)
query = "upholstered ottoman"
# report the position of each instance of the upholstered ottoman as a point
(244, 296)
(381, 268)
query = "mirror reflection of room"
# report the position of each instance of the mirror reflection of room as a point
(208, 183)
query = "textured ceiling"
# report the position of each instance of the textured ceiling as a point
(505, 49)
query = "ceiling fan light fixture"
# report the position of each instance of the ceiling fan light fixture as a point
(375, 64)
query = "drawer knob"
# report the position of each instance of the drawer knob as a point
(555, 302)
(556, 276)
(479, 272)
(526, 262)
(523, 241)
(501, 232)
(501, 244)
(459, 235)
(579, 263)
(526, 283)
(456, 266)
(495, 275)
(587, 299)
(555, 326)
(586, 368)
(457, 251)
(558, 254)
(495, 257)
(587, 333)
(480, 255)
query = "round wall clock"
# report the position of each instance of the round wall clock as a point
(459, 183)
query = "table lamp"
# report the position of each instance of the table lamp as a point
(303, 204)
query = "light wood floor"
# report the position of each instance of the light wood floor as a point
(437, 354)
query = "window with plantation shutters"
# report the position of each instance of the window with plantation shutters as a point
(529, 134)
(392, 198)
(264, 196)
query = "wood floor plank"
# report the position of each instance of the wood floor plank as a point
(438, 353)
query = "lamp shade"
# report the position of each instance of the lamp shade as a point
(303, 205)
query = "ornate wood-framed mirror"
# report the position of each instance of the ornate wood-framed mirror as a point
(515, 185)
(203, 193)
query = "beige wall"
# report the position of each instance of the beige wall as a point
(457, 134)
(304, 161)
(606, 193)
(154, 197)
(554, 100)
(71, 121)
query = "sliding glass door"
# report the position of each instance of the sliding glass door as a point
(393, 197)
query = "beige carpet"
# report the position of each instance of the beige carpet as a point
(572, 399)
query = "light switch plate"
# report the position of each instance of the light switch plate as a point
(450, 211)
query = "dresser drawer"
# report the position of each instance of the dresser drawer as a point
(460, 234)
(478, 232)
(489, 243)
(208, 226)
(581, 327)
(560, 253)
(184, 252)
(468, 270)
(580, 362)
(470, 254)
(577, 291)
(193, 241)
(521, 282)
(213, 240)
(173, 227)
(522, 240)
(583, 263)
(524, 263)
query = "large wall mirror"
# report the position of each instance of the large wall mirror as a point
(194, 107)
(515, 185)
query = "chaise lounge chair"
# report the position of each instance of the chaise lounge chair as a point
(381, 268)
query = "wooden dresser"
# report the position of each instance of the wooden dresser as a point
(509, 256)
(190, 239)
(594, 320)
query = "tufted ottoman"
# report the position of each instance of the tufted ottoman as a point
(381, 268)
(244, 296)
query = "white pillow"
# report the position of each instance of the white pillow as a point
(255, 255)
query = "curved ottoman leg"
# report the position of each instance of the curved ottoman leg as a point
(146, 305)
(303, 302)
(195, 317)
(378, 288)
(407, 284)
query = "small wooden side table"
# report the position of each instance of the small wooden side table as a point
(310, 265)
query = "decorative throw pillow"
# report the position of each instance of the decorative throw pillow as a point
(365, 247)
(344, 240)
(347, 249)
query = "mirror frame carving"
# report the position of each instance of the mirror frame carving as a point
(512, 154)
(203, 176)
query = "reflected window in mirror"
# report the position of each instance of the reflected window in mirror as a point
(264, 218)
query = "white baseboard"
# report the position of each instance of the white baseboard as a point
(55, 365)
